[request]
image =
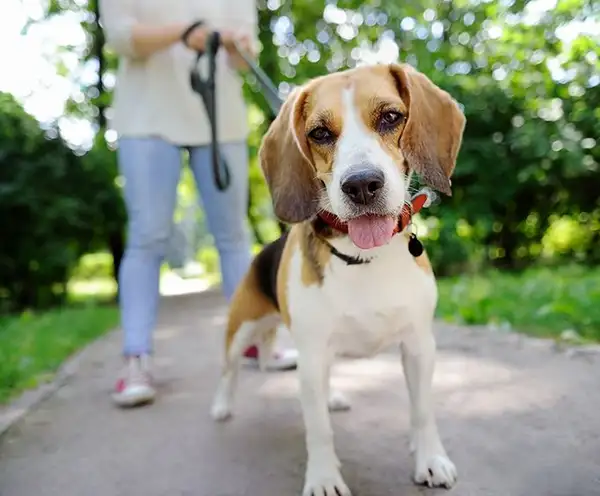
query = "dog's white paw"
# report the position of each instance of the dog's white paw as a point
(221, 409)
(435, 471)
(325, 483)
(338, 402)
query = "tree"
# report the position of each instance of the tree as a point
(55, 206)
(531, 100)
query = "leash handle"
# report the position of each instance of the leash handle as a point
(206, 88)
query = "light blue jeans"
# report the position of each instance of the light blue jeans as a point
(151, 168)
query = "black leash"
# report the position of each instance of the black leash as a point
(267, 88)
(271, 95)
(206, 88)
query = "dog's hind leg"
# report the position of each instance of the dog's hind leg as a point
(336, 400)
(252, 320)
(265, 344)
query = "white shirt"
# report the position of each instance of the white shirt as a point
(153, 96)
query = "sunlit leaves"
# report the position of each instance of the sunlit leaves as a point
(529, 82)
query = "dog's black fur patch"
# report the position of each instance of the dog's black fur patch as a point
(266, 265)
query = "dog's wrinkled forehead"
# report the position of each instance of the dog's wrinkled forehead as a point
(369, 87)
(411, 124)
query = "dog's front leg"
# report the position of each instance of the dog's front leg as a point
(323, 476)
(433, 467)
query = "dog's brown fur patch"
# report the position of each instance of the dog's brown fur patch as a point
(315, 256)
(283, 273)
(305, 237)
(248, 304)
(424, 263)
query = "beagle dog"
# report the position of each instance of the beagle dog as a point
(345, 280)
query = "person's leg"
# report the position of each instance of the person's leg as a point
(151, 168)
(226, 210)
(226, 219)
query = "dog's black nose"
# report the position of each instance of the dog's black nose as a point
(364, 186)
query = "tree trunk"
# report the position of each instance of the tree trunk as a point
(116, 245)
(98, 53)
(116, 240)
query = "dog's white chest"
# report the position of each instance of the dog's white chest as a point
(365, 308)
(364, 331)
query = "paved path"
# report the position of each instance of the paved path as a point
(518, 419)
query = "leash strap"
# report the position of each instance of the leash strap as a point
(267, 88)
(206, 88)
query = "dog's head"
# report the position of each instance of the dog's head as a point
(347, 143)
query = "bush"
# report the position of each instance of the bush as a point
(54, 205)
(516, 173)
(544, 302)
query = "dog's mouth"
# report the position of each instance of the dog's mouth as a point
(370, 230)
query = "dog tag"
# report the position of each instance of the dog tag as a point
(415, 247)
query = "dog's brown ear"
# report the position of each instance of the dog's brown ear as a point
(434, 128)
(286, 162)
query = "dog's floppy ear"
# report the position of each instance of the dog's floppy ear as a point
(286, 162)
(433, 132)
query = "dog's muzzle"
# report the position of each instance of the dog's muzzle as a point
(363, 187)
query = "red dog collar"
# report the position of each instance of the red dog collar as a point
(420, 200)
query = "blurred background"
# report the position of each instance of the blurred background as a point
(516, 247)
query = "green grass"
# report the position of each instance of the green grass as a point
(543, 302)
(33, 346)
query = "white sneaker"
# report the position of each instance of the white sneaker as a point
(135, 387)
(279, 360)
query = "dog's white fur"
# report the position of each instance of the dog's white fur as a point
(339, 317)
(358, 149)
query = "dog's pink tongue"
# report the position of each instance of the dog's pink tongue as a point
(370, 231)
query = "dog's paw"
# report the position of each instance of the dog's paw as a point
(435, 471)
(338, 402)
(325, 483)
(220, 410)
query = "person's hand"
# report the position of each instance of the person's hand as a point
(196, 40)
(228, 38)
(246, 45)
(231, 41)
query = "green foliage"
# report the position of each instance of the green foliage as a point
(32, 346)
(105, 208)
(544, 302)
(93, 266)
(529, 151)
(530, 154)
(54, 205)
(39, 210)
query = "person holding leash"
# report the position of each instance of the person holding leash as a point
(157, 116)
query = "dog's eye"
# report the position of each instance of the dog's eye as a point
(389, 120)
(321, 135)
